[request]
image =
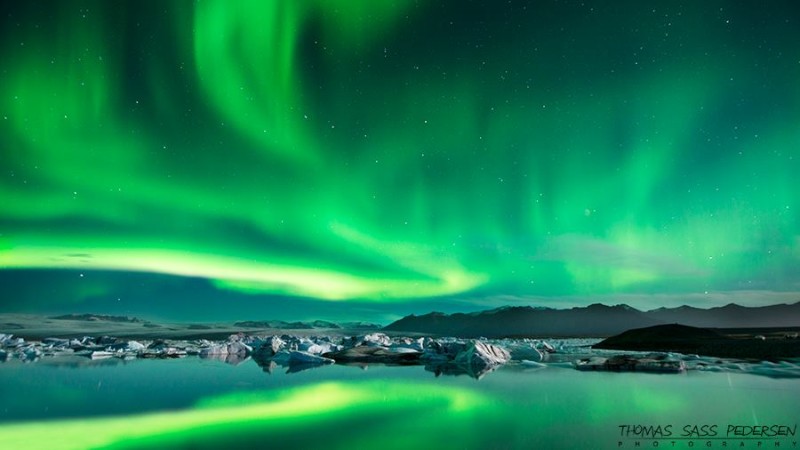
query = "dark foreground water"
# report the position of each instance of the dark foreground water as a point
(199, 404)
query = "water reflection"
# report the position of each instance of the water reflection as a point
(233, 359)
(197, 403)
(458, 370)
(333, 414)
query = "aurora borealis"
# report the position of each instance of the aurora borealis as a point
(366, 157)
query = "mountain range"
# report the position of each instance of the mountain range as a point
(284, 325)
(595, 320)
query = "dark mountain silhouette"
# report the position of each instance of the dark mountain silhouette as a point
(593, 320)
(702, 341)
(731, 316)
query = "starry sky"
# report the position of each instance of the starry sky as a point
(363, 159)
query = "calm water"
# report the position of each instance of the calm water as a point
(194, 403)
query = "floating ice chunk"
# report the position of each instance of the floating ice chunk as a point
(528, 352)
(318, 348)
(400, 349)
(134, 346)
(100, 354)
(268, 347)
(479, 354)
(543, 345)
(374, 339)
(532, 364)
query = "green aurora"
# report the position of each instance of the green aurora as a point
(397, 155)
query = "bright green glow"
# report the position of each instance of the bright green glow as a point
(247, 64)
(295, 409)
(245, 60)
(239, 273)
(348, 149)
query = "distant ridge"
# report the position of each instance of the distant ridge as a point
(98, 318)
(316, 324)
(731, 316)
(259, 324)
(593, 320)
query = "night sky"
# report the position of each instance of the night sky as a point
(363, 159)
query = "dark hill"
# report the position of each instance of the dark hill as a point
(701, 341)
(670, 338)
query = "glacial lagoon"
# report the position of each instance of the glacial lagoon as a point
(204, 403)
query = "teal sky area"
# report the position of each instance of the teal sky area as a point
(362, 159)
